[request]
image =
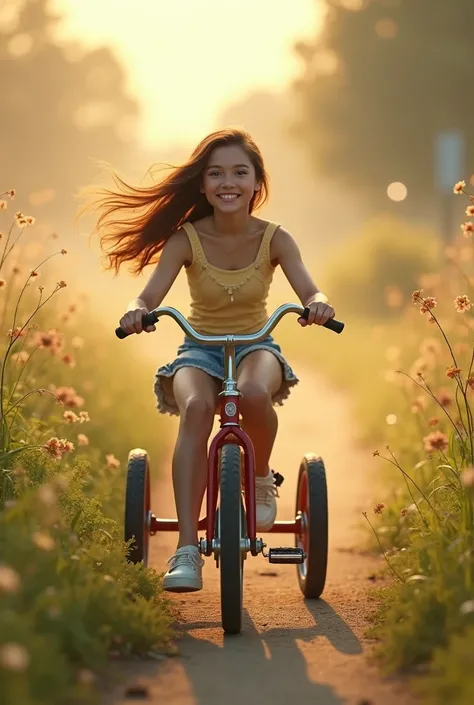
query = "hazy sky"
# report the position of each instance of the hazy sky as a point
(187, 59)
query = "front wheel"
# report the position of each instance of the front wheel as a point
(231, 529)
(312, 510)
(137, 505)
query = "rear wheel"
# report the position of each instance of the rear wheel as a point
(312, 508)
(137, 506)
(231, 530)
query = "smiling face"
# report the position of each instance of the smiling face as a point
(229, 180)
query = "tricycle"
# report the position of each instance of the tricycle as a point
(230, 521)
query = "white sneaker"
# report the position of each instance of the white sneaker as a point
(266, 493)
(185, 572)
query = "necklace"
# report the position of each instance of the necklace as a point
(230, 288)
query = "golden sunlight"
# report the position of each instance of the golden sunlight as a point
(187, 60)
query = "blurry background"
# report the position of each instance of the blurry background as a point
(362, 109)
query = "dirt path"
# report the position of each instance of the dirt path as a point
(313, 652)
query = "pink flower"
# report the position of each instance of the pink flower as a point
(436, 441)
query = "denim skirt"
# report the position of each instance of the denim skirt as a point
(210, 359)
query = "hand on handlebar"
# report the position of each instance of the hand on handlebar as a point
(317, 312)
(131, 322)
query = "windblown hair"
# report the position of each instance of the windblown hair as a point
(158, 211)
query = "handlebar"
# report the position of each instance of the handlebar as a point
(152, 317)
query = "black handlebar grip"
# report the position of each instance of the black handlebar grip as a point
(332, 324)
(149, 319)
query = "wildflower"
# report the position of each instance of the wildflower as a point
(64, 252)
(69, 360)
(459, 187)
(467, 228)
(445, 398)
(404, 512)
(452, 372)
(470, 382)
(470, 211)
(23, 220)
(84, 416)
(71, 417)
(9, 579)
(58, 447)
(68, 396)
(434, 421)
(3, 205)
(375, 452)
(2, 283)
(416, 296)
(462, 303)
(11, 193)
(43, 540)
(17, 332)
(82, 439)
(53, 340)
(429, 302)
(62, 284)
(378, 509)
(14, 657)
(467, 477)
(437, 440)
(112, 461)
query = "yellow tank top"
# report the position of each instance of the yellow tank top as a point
(229, 301)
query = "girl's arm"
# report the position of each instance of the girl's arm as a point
(285, 250)
(175, 253)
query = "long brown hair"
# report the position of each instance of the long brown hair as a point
(164, 207)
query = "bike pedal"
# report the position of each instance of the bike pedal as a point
(278, 478)
(286, 555)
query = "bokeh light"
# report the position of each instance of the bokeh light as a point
(397, 191)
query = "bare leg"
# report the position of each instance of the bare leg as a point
(196, 395)
(259, 376)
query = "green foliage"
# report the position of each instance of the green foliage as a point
(375, 89)
(424, 479)
(451, 678)
(386, 255)
(68, 597)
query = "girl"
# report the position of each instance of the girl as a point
(202, 217)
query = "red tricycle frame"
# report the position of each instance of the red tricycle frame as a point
(230, 432)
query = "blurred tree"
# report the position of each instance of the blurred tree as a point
(61, 107)
(381, 80)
